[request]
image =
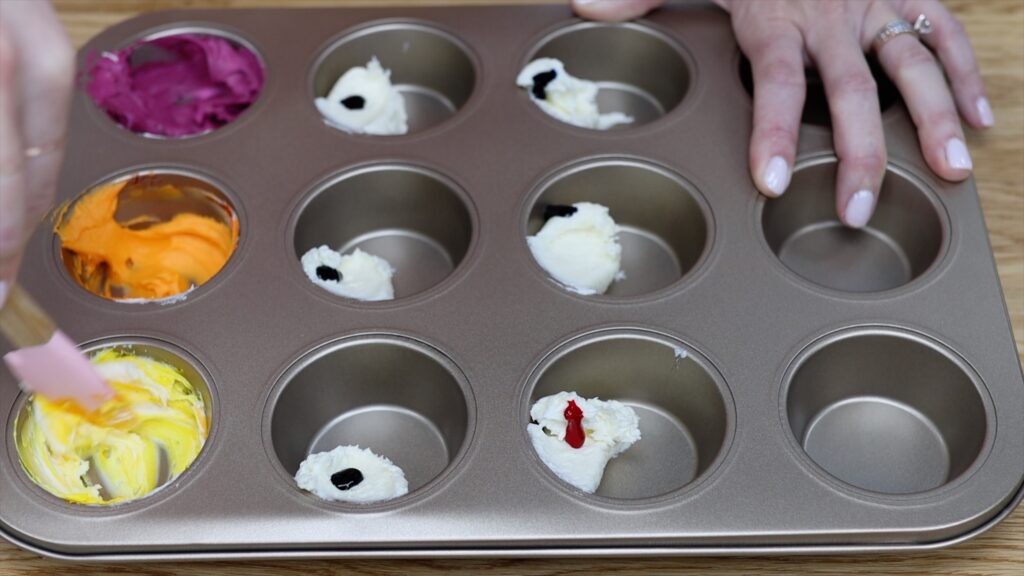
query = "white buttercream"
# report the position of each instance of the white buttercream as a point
(582, 250)
(363, 275)
(383, 111)
(610, 428)
(382, 480)
(569, 99)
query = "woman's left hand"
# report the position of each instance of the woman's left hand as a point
(779, 36)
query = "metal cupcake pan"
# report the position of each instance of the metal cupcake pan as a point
(801, 387)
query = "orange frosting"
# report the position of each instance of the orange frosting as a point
(142, 258)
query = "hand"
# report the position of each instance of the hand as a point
(778, 36)
(36, 78)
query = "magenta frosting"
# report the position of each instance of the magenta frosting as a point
(198, 84)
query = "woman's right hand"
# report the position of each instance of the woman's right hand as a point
(37, 64)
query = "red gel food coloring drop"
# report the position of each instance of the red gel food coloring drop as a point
(574, 435)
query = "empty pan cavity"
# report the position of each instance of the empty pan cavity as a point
(903, 240)
(887, 411)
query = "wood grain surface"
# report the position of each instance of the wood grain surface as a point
(996, 28)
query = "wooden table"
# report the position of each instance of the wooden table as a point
(997, 29)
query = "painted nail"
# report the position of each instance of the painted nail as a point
(985, 111)
(776, 175)
(3, 293)
(957, 156)
(859, 209)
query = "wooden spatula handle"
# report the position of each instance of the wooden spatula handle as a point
(23, 322)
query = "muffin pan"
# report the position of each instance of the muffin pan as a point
(802, 387)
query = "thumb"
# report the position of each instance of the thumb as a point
(614, 10)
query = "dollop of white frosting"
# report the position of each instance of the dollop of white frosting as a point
(363, 275)
(581, 250)
(610, 428)
(383, 107)
(567, 98)
(382, 480)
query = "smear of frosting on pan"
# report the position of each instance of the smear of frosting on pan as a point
(188, 84)
(143, 258)
(153, 427)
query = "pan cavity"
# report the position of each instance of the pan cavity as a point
(664, 227)
(430, 69)
(681, 401)
(903, 240)
(399, 398)
(417, 221)
(177, 83)
(887, 411)
(151, 434)
(150, 236)
(639, 71)
(816, 111)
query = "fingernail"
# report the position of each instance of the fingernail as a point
(985, 111)
(3, 293)
(859, 209)
(957, 156)
(776, 175)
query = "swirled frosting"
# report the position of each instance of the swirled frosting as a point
(142, 258)
(156, 419)
(193, 84)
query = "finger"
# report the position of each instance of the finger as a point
(919, 79)
(45, 61)
(614, 10)
(949, 40)
(12, 176)
(776, 58)
(46, 70)
(856, 120)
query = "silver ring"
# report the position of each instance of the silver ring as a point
(899, 26)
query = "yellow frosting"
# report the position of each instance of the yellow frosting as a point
(114, 453)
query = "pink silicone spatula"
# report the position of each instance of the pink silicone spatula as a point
(47, 362)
